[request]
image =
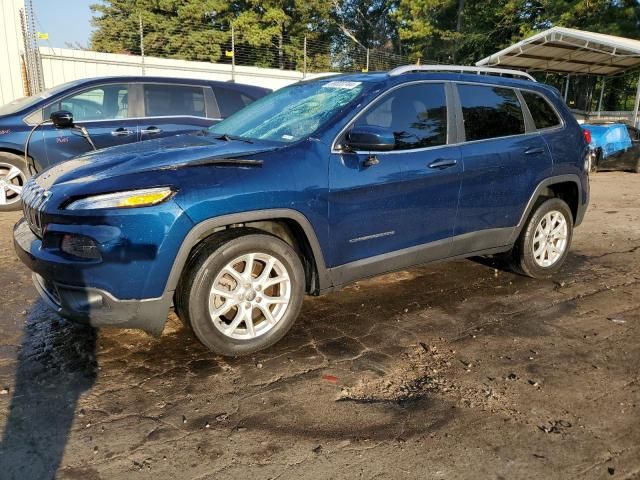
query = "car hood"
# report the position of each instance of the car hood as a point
(161, 154)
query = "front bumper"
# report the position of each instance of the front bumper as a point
(85, 304)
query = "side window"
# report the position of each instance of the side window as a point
(230, 101)
(490, 112)
(173, 100)
(543, 114)
(416, 114)
(107, 102)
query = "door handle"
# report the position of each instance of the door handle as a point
(122, 132)
(443, 163)
(534, 151)
(151, 131)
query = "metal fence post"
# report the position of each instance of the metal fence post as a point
(233, 53)
(140, 26)
(304, 67)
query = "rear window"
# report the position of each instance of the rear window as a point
(490, 112)
(544, 116)
(174, 100)
(230, 101)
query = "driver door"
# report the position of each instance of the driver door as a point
(407, 201)
(103, 110)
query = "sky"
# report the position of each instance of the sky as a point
(64, 21)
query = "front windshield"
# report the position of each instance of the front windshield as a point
(291, 113)
(26, 102)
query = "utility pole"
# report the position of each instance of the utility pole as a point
(141, 43)
(367, 59)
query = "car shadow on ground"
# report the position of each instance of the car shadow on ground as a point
(56, 364)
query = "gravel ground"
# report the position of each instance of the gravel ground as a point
(456, 370)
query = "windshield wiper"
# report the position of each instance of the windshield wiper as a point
(227, 138)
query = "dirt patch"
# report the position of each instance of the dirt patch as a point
(420, 372)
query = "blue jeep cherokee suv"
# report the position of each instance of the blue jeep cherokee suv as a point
(314, 186)
(114, 111)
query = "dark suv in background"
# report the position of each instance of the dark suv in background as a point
(312, 187)
(114, 111)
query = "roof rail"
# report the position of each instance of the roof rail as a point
(461, 69)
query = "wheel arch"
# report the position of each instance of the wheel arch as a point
(14, 150)
(567, 187)
(287, 224)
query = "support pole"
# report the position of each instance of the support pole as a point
(141, 43)
(603, 80)
(566, 88)
(637, 107)
(367, 60)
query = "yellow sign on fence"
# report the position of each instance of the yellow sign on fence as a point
(43, 36)
(228, 54)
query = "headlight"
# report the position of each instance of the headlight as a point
(130, 199)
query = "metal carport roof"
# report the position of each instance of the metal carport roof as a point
(565, 50)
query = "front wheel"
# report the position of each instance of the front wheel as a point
(544, 242)
(13, 177)
(241, 291)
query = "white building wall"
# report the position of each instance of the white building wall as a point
(11, 45)
(63, 65)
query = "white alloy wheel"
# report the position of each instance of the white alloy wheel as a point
(249, 296)
(12, 179)
(550, 239)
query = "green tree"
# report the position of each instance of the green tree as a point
(275, 31)
(185, 29)
(465, 31)
(365, 24)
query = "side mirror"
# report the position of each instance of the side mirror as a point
(62, 119)
(370, 139)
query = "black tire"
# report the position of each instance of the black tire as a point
(637, 169)
(10, 201)
(202, 269)
(522, 259)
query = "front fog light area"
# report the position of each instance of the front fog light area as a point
(80, 246)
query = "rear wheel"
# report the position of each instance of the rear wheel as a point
(241, 291)
(13, 177)
(637, 169)
(544, 242)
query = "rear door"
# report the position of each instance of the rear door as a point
(103, 110)
(172, 109)
(504, 156)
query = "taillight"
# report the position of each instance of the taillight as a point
(587, 136)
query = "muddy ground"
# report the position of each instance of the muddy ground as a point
(456, 370)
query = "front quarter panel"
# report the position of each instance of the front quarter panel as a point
(293, 177)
